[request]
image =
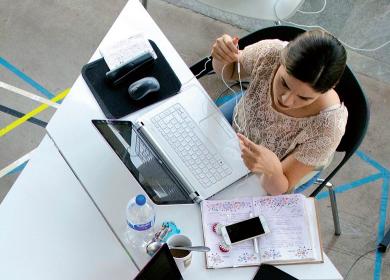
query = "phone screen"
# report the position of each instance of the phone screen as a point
(245, 229)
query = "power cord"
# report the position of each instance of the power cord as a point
(354, 263)
(228, 87)
(320, 27)
(241, 91)
(204, 67)
(381, 248)
(242, 129)
(223, 80)
(315, 12)
(245, 85)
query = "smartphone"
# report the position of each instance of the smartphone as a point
(244, 230)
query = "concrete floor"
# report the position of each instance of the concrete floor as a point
(51, 42)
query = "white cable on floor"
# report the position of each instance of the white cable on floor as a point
(322, 28)
(314, 12)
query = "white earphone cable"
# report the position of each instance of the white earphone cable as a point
(314, 12)
(322, 28)
(204, 67)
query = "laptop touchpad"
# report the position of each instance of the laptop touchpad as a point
(216, 129)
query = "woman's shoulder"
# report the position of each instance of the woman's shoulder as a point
(332, 119)
(268, 46)
(321, 136)
(262, 53)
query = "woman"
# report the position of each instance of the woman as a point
(290, 120)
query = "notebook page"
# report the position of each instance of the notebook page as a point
(289, 238)
(314, 229)
(227, 212)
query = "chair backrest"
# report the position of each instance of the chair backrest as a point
(284, 33)
(281, 32)
(351, 93)
(348, 90)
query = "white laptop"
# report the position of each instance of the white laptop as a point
(185, 141)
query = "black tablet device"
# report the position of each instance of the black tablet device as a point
(162, 266)
(270, 272)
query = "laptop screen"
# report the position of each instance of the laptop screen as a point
(149, 170)
(162, 266)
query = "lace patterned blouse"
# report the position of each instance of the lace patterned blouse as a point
(311, 140)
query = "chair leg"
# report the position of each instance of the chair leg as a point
(335, 213)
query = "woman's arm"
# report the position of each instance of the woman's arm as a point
(277, 177)
(293, 172)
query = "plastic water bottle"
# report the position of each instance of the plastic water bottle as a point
(140, 221)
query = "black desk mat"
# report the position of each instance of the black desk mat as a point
(115, 101)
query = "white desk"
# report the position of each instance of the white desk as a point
(50, 228)
(106, 178)
(109, 182)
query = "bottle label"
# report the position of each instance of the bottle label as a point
(141, 227)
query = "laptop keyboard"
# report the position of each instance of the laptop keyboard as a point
(142, 151)
(153, 175)
(185, 137)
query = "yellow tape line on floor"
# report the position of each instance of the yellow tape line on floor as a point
(31, 114)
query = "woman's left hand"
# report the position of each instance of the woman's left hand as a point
(258, 158)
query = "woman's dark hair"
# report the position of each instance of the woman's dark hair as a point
(316, 58)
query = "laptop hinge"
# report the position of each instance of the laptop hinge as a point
(196, 197)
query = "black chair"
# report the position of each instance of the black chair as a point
(351, 93)
(348, 90)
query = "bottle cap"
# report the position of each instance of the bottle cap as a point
(140, 199)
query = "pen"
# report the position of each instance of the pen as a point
(254, 239)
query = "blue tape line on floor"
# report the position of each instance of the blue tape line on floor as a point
(371, 161)
(381, 225)
(384, 174)
(25, 78)
(382, 209)
(352, 185)
(17, 169)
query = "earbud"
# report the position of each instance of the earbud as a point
(217, 228)
(223, 247)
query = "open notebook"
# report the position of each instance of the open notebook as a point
(293, 238)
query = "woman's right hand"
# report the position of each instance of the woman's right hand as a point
(225, 49)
